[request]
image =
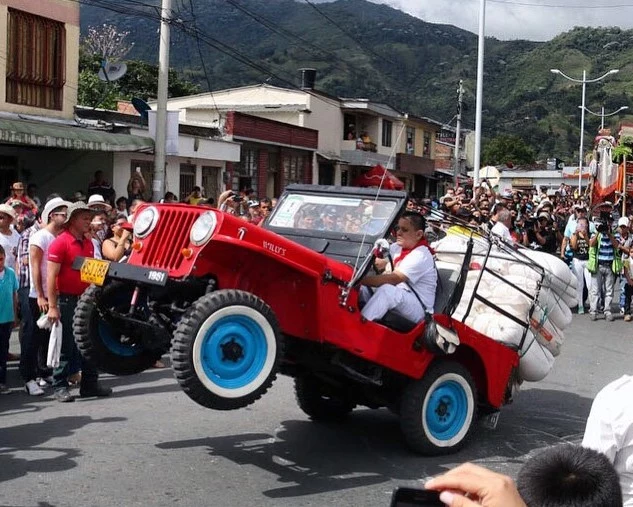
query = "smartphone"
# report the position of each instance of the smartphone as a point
(411, 497)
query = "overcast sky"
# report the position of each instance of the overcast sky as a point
(506, 19)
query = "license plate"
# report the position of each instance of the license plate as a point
(94, 271)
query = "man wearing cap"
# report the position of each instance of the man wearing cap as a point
(254, 213)
(64, 286)
(9, 237)
(98, 203)
(545, 233)
(604, 264)
(53, 218)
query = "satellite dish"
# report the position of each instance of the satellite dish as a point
(112, 71)
(142, 107)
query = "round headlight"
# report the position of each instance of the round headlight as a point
(202, 228)
(145, 222)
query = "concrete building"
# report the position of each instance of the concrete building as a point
(354, 134)
(40, 56)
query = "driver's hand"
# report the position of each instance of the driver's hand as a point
(380, 264)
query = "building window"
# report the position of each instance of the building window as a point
(36, 61)
(187, 180)
(387, 127)
(426, 150)
(410, 140)
(294, 168)
(247, 169)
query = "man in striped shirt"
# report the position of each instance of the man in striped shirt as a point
(607, 243)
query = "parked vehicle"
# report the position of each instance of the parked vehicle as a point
(238, 304)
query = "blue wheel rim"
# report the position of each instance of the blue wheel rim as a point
(234, 351)
(113, 344)
(446, 410)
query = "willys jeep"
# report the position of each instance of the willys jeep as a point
(238, 304)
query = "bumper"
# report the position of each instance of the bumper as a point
(126, 272)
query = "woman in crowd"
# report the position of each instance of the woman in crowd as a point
(136, 187)
(579, 244)
(118, 245)
(18, 193)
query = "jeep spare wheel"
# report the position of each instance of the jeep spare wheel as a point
(104, 336)
(437, 411)
(226, 349)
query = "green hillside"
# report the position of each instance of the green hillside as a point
(370, 50)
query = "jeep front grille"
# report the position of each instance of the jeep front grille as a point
(171, 235)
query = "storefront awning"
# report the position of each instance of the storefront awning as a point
(51, 135)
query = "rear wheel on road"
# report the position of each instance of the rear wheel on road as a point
(437, 412)
(320, 401)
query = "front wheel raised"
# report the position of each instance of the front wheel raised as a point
(437, 411)
(226, 350)
(101, 340)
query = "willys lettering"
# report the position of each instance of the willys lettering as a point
(275, 248)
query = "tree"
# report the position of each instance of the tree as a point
(507, 148)
(106, 42)
(140, 80)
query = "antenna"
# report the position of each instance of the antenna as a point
(112, 71)
(142, 107)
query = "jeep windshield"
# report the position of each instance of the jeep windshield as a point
(335, 220)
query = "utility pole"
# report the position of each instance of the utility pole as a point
(460, 96)
(161, 107)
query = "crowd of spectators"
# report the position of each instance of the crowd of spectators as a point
(28, 228)
(594, 241)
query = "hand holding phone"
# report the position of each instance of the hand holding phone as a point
(412, 497)
(470, 485)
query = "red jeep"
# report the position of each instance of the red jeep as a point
(239, 304)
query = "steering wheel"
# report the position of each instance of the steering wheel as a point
(381, 246)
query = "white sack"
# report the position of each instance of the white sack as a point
(54, 345)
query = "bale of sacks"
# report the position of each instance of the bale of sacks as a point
(551, 289)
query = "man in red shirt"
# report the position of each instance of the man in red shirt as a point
(64, 286)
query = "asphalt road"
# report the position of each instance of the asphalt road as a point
(150, 445)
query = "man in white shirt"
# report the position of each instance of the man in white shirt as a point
(9, 237)
(610, 430)
(410, 289)
(504, 222)
(53, 218)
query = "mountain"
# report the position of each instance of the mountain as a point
(362, 49)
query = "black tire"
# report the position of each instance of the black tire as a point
(437, 412)
(97, 340)
(226, 350)
(319, 400)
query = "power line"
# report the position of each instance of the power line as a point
(351, 36)
(202, 62)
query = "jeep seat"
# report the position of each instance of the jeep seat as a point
(397, 322)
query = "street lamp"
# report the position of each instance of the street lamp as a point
(602, 115)
(480, 90)
(584, 82)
